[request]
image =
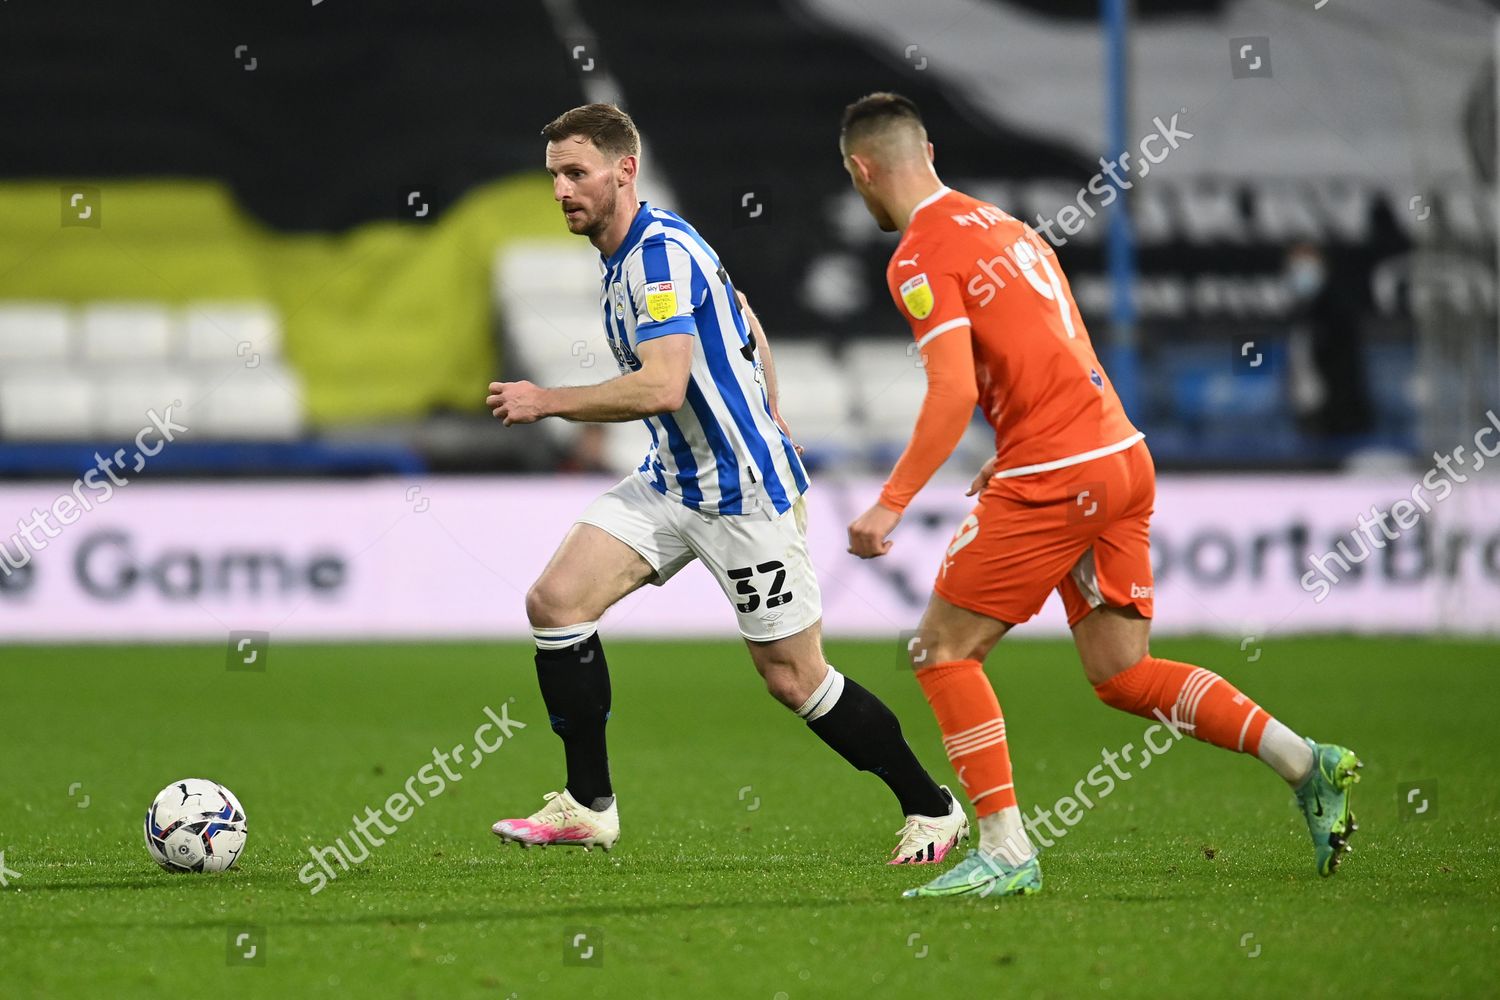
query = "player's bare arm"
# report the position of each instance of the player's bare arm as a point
(660, 386)
(763, 348)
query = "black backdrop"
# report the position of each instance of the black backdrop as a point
(348, 102)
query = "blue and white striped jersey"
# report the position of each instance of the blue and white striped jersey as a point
(721, 453)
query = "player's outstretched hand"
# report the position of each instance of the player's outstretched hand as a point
(516, 402)
(986, 473)
(867, 535)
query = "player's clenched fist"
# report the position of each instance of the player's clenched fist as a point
(867, 535)
(516, 402)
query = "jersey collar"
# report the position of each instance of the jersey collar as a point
(945, 189)
(632, 235)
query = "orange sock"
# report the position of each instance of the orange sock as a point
(973, 731)
(1199, 702)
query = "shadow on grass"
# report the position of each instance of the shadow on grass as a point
(511, 913)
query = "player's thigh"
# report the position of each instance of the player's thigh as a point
(625, 538)
(764, 568)
(949, 632)
(590, 571)
(1007, 556)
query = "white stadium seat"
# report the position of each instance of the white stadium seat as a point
(40, 332)
(45, 403)
(548, 294)
(563, 346)
(540, 270)
(215, 332)
(124, 396)
(625, 445)
(260, 404)
(133, 332)
(816, 397)
(890, 384)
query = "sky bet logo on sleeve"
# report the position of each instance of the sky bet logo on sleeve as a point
(917, 294)
(661, 300)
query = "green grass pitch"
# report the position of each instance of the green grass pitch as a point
(751, 863)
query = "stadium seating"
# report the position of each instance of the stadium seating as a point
(34, 332)
(93, 373)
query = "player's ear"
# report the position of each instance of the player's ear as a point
(861, 167)
(931, 154)
(626, 169)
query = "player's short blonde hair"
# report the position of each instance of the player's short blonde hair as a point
(610, 129)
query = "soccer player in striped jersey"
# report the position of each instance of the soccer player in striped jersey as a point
(721, 482)
(1064, 504)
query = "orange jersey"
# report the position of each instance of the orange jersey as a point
(966, 271)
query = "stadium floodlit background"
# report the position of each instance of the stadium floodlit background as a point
(257, 269)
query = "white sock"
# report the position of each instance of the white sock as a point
(1001, 835)
(563, 636)
(821, 701)
(1286, 752)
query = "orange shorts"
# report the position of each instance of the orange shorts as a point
(1083, 530)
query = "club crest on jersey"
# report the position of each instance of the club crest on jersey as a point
(661, 300)
(917, 294)
(617, 292)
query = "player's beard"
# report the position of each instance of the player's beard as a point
(596, 222)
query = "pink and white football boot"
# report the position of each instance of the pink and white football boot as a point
(563, 821)
(926, 840)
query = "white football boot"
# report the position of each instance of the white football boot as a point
(563, 820)
(926, 840)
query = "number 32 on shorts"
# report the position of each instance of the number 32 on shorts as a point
(775, 597)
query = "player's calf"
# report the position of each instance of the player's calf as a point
(1207, 707)
(862, 730)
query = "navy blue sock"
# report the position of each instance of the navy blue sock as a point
(867, 734)
(575, 687)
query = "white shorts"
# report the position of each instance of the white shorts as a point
(761, 562)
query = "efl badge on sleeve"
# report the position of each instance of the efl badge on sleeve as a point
(661, 300)
(917, 294)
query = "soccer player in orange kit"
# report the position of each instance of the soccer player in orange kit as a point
(1065, 504)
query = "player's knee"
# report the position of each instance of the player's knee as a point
(929, 652)
(787, 688)
(548, 605)
(1100, 668)
(788, 681)
(1127, 697)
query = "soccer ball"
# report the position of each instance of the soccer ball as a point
(195, 825)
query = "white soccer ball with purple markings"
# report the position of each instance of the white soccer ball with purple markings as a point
(195, 825)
